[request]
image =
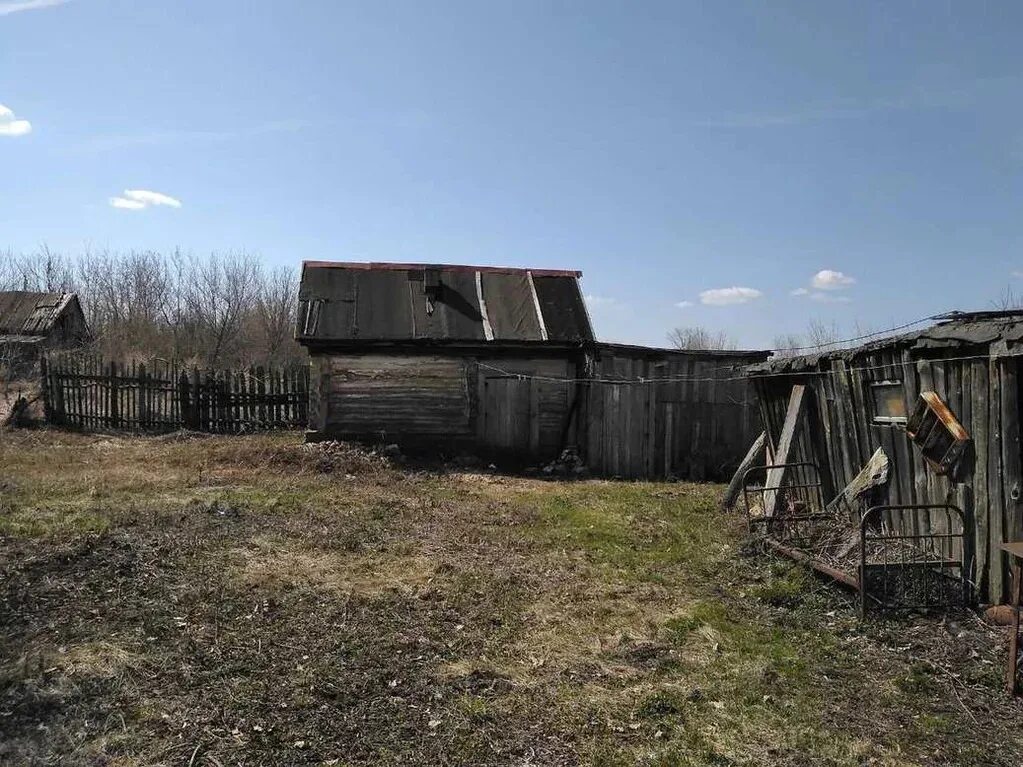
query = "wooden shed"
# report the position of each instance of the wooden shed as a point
(31, 322)
(943, 403)
(502, 363)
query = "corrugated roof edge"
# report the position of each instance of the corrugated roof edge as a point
(387, 266)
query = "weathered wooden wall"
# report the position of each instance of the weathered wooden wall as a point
(685, 414)
(613, 404)
(392, 397)
(981, 391)
(446, 402)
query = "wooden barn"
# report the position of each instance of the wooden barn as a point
(502, 363)
(942, 403)
(31, 322)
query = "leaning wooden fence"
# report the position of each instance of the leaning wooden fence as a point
(89, 393)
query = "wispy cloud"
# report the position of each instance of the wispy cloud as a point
(162, 137)
(958, 96)
(829, 279)
(125, 204)
(10, 125)
(829, 298)
(684, 304)
(28, 5)
(799, 292)
(139, 199)
(729, 296)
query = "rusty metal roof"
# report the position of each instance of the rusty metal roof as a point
(30, 313)
(359, 302)
(1000, 331)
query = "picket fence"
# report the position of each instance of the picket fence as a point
(86, 392)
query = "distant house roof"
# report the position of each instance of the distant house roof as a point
(27, 313)
(351, 302)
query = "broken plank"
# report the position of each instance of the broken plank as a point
(735, 486)
(789, 431)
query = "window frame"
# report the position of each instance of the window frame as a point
(887, 420)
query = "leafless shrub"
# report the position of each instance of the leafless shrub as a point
(1009, 300)
(817, 337)
(698, 338)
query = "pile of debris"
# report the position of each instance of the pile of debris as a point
(334, 457)
(568, 464)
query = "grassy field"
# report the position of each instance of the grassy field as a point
(251, 600)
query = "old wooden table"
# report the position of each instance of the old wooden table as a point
(1015, 552)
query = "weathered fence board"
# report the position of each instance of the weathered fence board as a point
(87, 393)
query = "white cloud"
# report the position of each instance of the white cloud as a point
(799, 292)
(10, 126)
(729, 296)
(829, 298)
(138, 199)
(829, 279)
(684, 304)
(28, 5)
(151, 198)
(1017, 273)
(126, 204)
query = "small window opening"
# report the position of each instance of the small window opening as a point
(432, 288)
(889, 402)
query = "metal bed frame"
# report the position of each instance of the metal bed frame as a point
(900, 566)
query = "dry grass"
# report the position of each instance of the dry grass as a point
(276, 564)
(254, 600)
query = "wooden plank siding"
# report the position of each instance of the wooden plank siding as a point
(680, 415)
(632, 412)
(983, 394)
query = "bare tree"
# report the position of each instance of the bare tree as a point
(817, 337)
(218, 294)
(820, 335)
(1009, 300)
(275, 312)
(222, 310)
(698, 338)
(43, 271)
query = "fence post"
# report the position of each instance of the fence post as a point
(114, 414)
(143, 399)
(44, 387)
(184, 401)
(58, 383)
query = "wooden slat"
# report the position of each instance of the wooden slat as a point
(996, 592)
(789, 431)
(982, 448)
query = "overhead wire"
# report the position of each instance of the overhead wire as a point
(642, 380)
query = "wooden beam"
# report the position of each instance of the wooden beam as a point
(819, 444)
(488, 330)
(536, 305)
(874, 474)
(735, 486)
(789, 430)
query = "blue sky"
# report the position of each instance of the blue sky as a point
(671, 151)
